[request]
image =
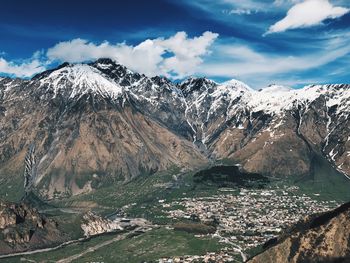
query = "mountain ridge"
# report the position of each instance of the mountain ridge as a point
(274, 131)
(316, 238)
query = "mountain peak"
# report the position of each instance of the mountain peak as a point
(105, 61)
(117, 72)
(194, 84)
(161, 80)
(237, 84)
(197, 80)
(46, 73)
(79, 79)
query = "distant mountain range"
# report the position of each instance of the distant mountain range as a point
(100, 122)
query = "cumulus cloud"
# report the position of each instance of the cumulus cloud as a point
(308, 13)
(176, 56)
(187, 53)
(143, 58)
(24, 69)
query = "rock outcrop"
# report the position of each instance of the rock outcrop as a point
(94, 225)
(23, 228)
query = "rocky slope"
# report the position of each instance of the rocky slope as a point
(95, 123)
(94, 225)
(318, 238)
(23, 228)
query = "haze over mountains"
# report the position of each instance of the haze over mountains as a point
(96, 122)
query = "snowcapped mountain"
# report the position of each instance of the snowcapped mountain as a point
(75, 81)
(96, 122)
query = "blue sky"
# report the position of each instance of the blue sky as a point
(288, 42)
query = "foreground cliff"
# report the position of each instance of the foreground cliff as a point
(318, 238)
(23, 228)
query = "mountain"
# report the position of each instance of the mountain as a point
(88, 130)
(317, 238)
(284, 129)
(97, 123)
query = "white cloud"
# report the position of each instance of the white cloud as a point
(24, 69)
(177, 56)
(187, 53)
(240, 11)
(284, 2)
(237, 60)
(308, 13)
(252, 63)
(246, 4)
(143, 57)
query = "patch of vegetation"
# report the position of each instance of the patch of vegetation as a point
(55, 255)
(140, 197)
(11, 187)
(327, 182)
(153, 245)
(230, 176)
(195, 228)
(70, 224)
(324, 184)
(119, 194)
(149, 246)
(254, 251)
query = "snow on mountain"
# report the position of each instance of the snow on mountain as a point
(238, 93)
(201, 98)
(272, 99)
(335, 94)
(277, 99)
(210, 105)
(202, 105)
(203, 94)
(196, 86)
(119, 73)
(80, 79)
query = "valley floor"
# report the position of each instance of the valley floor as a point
(189, 223)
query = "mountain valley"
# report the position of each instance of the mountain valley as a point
(114, 159)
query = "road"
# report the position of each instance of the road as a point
(236, 247)
(76, 256)
(44, 249)
(96, 247)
